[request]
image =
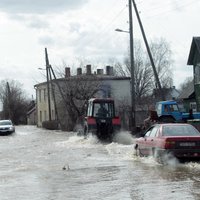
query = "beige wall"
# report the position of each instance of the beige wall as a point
(42, 105)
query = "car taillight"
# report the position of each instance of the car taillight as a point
(169, 144)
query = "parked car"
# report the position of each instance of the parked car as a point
(6, 127)
(170, 139)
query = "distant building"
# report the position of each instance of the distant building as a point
(31, 114)
(187, 98)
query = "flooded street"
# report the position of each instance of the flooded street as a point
(38, 164)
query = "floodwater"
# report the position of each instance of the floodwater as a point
(36, 164)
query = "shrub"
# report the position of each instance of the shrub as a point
(51, 125)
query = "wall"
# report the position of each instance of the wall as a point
(31, 118)
(42, 105)
(197, 93)
(117, 88)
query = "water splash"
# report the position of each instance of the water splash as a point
(124, 138)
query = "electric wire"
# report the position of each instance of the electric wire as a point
(162, 25)
(104, 30)
(160, 10)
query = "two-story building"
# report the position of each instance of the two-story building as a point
(109, 85)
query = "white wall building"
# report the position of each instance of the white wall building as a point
(111, 86)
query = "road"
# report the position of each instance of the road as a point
(36, 164)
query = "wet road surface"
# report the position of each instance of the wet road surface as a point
(36, 164)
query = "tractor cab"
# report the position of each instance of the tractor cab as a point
(101, 120)
(101, 108)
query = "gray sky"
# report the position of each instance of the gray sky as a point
(84, 30)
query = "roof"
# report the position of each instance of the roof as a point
(187, 92)
(167, 102)
(89, 77)
(31, 110)
(195, 46)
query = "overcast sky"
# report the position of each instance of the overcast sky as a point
(84, 30)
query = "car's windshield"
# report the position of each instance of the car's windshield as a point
(180, 130)
(5, 123)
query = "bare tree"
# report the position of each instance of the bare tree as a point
(187, 83)
(14, 101)
(76, 90)
(162, 55)
(144, 77)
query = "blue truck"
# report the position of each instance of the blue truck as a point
(168, 111)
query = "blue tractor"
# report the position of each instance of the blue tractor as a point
(168, 111)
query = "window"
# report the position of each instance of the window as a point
(52, 114)
(154, 131)
(40, 95)
(197, 73)
(180, 130)
(173, 108)
(40, 116)
(45, 115)
(107, 108)
(193, 106)
(147, 134)
(159, 109)
(89, 110)
(96, 108)
(44, 94)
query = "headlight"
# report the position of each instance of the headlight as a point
(11, 128)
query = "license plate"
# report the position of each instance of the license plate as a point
(187, 144)
(103, 121)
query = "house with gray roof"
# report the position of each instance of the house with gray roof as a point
(194, 60)
(187, 98)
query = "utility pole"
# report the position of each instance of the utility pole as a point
(148, 50)
(8, 101)
(48, 85)
(53, 94)
(132, 68)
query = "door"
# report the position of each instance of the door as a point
(148, 143)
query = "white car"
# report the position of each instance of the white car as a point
(6, 127)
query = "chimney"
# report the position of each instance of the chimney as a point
(99, 71)
(79, 71)
(88, 70)
(108, 70)
(67, 72)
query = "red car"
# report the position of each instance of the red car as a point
(179, 140)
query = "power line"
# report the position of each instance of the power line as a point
(104, 29)
(163, 25)
(162, 12)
